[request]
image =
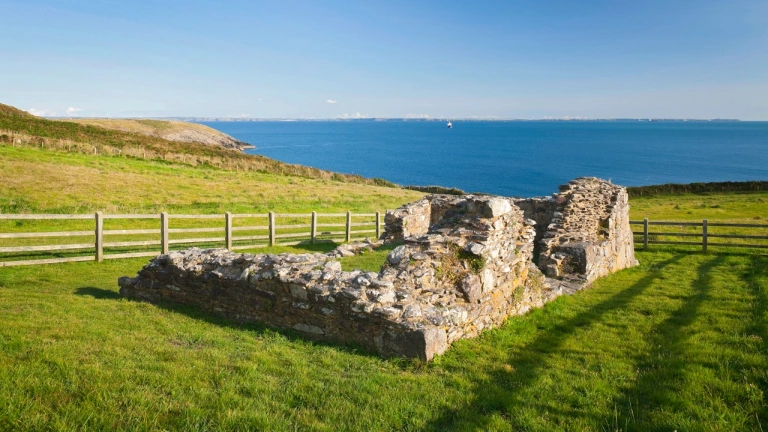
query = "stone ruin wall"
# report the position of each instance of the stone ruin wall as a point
(307, 292)
(465, 264)
(470, 266)
(583, 231)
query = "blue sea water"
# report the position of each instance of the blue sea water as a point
(517, 158)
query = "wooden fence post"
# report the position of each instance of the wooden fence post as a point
(164, 232)
(314, 226)
(704, 235)
(228, 230)
(271, 228)
(645, 233)
(378, 225)
(349, 226)
(99, 236)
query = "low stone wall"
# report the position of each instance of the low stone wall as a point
(308, 293)
(465, 265)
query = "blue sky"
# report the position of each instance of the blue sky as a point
(326, 59)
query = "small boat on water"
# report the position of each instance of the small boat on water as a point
(449, 125)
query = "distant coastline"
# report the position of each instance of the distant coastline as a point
(441, 119)
(401, 119)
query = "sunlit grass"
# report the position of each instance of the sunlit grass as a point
(677, 343)
(50, 182)
(745, 207)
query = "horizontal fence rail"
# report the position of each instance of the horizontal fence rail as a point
(281, 229)
(269, 229)
(700, 230)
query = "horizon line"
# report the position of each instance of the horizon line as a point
(236, 118)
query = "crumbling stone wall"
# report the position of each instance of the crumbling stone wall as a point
(465, 264)
(409, 220)
(589, 235)
(541, 210)
(470, 270)
(307, 292)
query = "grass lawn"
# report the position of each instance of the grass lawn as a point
(678, 343)
(745, 207)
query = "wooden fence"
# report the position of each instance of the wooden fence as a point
(272, 233)
(691, 230)
(275, 234)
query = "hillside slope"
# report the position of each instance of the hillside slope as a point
(21, 129)
(150, 133)
(171, 130)
(36, 180)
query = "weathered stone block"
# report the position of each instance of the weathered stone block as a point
(471, 288)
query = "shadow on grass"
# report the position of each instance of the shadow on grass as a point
(498, 391)
(389, 246)
(757, 277)
(719, 250)
(662, 369)
(97, 293)
(257, 328)
(262, 329)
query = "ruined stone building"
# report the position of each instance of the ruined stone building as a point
(465, 264)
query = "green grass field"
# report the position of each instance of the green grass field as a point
(746, 207)
(45, 181)
(155, 128)
(23, 130)
(678, 343)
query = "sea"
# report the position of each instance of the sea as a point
(516, 158)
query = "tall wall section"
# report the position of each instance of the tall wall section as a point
(588, 235)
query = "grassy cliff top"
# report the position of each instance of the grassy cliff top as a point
(150, 140)
(114, 131)
(14, 121)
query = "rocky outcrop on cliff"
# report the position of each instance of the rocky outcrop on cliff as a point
(212, 137)
(170, 130)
